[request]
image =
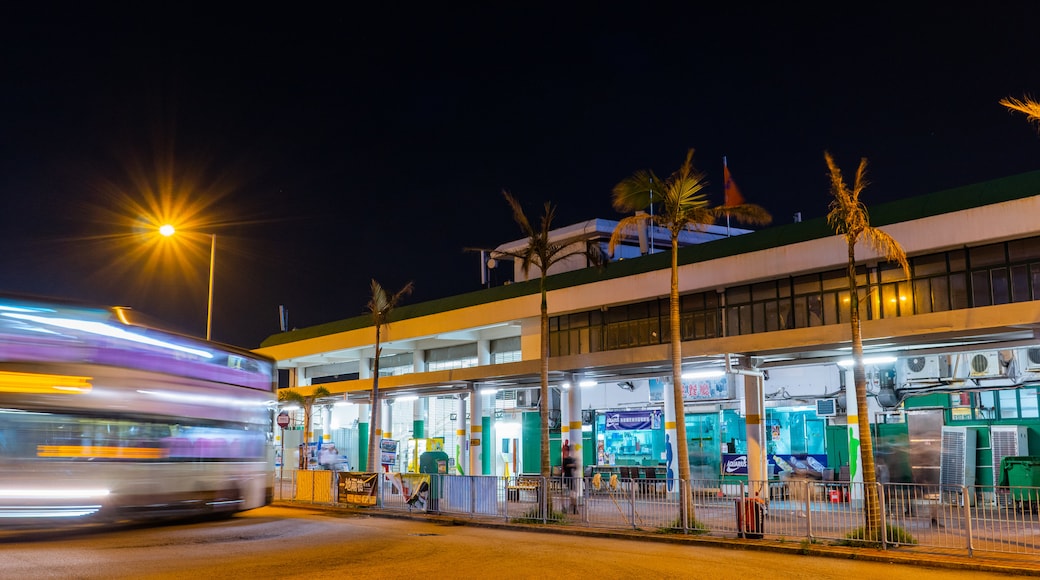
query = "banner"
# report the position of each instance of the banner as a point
(708, 389)
(810, 465)
(357, 488)
(632, 420)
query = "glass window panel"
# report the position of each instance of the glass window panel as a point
(1034, 276)
(845, 305)
(732, 321)
(763, 290)
(738, 295)
(928, 265)
(801, 313)
(1022, 250)
(783, 288)
(815, 306)
(579, 320)
(1008, 404)
(771, 316)
(1028, 403)
(835, 280)
(830, 308)
(869, 305)
(692, 302)
(745, 319)
(940, 293)
(785, 319)
(999, 281)
(807, 284)
(891, 272)
(758, 317)
(922, 296)
(980, 289)
(1020, 284)
(889, 301)
(711, 299)
(990, 255)
(958, 291)
(958, 260)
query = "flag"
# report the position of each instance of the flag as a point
(732, 194)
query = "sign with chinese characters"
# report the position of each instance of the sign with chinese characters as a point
(707, 389)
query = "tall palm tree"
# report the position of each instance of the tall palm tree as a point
(543, 253)
(1029, 106)
(849, 218)
(307, 403)
(679, 204)
(380, 306)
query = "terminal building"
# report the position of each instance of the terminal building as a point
(952, 354)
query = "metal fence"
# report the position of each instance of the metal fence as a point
(946, 518)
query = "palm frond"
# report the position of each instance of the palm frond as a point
(628, 227)
(637, 191)
(887, 247)
(1029, 106)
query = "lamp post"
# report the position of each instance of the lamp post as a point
(168, 230)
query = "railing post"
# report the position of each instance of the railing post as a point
(967, 522)
(808, 510)
(632, 502)
(883, 505)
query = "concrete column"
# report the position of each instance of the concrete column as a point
(419, 407)
(754, 420)
(419, 361)
(476, 432)
(574, 433)
(364, 413)
(483, 352)
(387, 416)
(364, 368)
(461, 444)
(855, 455)
(671, 451)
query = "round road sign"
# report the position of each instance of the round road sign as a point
(283, 419)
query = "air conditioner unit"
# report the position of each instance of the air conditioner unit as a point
(1029, 359)
(527, 398)
(925, 368)
(985, 364)
(827, 407)
(1006, 441)
(957, 463)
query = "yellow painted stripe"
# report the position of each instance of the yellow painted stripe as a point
(669, 424)
(476, 429)
(86, 451)
(12, 382)
(460, 432)
(576, 425)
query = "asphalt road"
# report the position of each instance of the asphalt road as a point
(284, 543)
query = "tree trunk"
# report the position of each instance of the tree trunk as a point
(374, 429)
(870, 492)
(683, 451)
(543, 406)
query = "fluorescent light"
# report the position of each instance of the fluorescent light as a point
(488, 391)
(406, 398)
(587, 383)
(704, 374)
(868, 361)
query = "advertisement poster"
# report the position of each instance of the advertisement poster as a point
(388, 452)
(632, 420)
(357, 488)
(799, 463)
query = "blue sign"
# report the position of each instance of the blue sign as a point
(632, 420)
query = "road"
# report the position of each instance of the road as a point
(287, 543)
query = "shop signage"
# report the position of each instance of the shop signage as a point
(357, 488)
(632, 420)
(709, 389)
(799, 463)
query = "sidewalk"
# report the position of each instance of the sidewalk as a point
(1001, 563)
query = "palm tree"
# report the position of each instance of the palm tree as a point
(849, 218)
(543, 253)
(1029, 106)
(307, 403)
(380, 306)
(679, 204)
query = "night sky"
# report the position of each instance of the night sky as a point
(328, 146)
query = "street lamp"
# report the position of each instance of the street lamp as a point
(168, 230)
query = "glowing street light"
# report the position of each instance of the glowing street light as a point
(168, 230)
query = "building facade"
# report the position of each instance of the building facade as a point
(953, 353)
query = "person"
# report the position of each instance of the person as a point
(570, 465)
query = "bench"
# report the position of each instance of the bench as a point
(521, 484)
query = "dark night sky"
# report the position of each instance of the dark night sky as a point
(328, 146)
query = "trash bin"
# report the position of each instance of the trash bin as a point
(1021, 473)
(750, 517)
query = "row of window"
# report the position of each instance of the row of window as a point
(1000, 273)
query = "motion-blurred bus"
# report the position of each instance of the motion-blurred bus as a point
(104, 419)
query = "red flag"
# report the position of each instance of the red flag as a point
(732, 194)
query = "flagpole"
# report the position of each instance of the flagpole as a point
(725, 187)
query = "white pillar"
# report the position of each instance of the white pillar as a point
(754, 420)
(387, 416)
(461, 445)
(364, 368)
(476, 435)
(483, 352)
(574, 433)
(419, 361)
(855, 457)
(671, 451)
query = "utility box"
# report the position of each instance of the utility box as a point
(434, 463)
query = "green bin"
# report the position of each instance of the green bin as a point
(1020, 473)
